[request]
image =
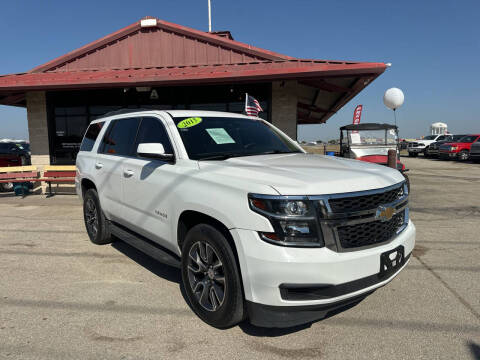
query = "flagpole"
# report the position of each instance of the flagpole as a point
(246, 102)
(209, 16)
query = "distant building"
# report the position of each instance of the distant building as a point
(438, 128)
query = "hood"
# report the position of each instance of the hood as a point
(304, 174)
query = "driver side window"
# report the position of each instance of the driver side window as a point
(152, 131)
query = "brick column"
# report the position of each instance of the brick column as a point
(284, 106)
(38, 131)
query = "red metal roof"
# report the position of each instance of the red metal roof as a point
(164, 44)
(177, 75)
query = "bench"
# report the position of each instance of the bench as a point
(18, 174)
(58, 174)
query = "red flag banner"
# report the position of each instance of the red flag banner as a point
(357, 114)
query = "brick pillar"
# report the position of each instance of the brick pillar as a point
(38, 131)
(284, 106)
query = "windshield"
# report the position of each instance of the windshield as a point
(430, 137)
(219, 138)
(372, 137)
(468, 139)
(456, 137)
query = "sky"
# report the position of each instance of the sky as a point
(434, 47)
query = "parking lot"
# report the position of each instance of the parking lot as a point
(62, 297)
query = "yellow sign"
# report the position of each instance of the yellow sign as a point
(189, 122)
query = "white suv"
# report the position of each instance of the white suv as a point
(260, 229)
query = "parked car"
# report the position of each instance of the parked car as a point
(460, 149)
(419, 146)
(432, 150)
(475, 151)
(259, 228)
(13, 154)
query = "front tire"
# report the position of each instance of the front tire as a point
(211, 277)
(98, 227)
(463, 155)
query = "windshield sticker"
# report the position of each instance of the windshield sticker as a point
(189, 122)
(220, 136)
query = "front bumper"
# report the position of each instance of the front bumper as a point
(265, 267)
(416, 149)
(447, 155)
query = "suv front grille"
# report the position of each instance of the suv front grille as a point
(370, 233)
(365, 202)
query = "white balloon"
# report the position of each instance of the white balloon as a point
(393, 98)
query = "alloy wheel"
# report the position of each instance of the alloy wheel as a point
(91, 219)
(206, 276)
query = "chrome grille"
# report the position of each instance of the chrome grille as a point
(366, 202)
(369, 233)
(349, 221)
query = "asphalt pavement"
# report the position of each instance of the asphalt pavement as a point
(62, 297)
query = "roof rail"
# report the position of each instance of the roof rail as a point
(124, 111)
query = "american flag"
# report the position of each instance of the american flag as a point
(252, 106)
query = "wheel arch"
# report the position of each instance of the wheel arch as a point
(87, 184)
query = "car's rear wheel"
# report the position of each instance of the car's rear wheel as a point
(211, 277)
(463, 155)
(98, 227)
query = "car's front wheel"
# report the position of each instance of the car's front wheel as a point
(98, 227)
(211, 277)
(463, 155)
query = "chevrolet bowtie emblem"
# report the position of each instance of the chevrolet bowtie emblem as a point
(384, 213)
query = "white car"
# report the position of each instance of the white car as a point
(260, 229)
(420, 146)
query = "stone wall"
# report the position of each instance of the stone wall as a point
(284, 106)
(38, 131)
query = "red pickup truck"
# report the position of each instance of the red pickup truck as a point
(460, 149)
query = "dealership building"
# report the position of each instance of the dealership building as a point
(154, 64)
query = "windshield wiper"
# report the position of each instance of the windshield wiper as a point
(278, 152)
(230, 155)
(219, 157)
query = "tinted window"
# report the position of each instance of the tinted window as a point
(440, 138)
(152, 131)
(91, 136)
(120, 137)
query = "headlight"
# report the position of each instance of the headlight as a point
(453, 147)
(294, 219)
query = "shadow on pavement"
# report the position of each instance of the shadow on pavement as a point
(160, 269)
(474, 349)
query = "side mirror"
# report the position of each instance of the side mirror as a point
(153, 150)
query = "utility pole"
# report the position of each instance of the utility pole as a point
(209, 16)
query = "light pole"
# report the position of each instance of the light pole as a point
(209, 16)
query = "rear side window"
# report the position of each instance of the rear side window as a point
(120, 137)
(91, 136)
(152, 131)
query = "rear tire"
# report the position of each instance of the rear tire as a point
(463, 155)
(211, 277)
(98, 227)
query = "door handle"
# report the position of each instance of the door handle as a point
(128, 173)
(98, 165)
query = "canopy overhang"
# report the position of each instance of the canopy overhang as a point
(315, 75)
